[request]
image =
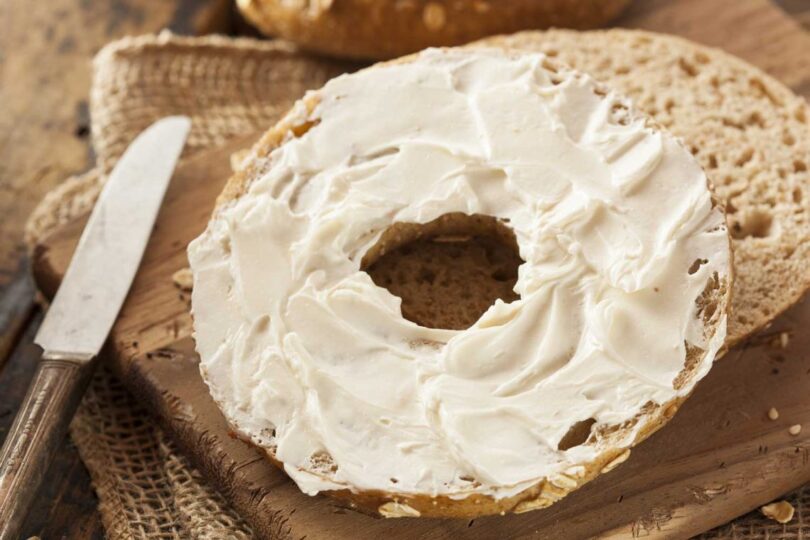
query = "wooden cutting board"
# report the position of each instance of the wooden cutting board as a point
(720, 457)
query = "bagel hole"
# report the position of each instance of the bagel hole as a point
(577, 434)
(449, 271)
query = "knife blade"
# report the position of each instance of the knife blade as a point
(112, 244)
(84, 310)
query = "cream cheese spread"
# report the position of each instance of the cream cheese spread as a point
(310, 359)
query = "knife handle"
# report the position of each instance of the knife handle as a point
(36, 434)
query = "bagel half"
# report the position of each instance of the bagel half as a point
(611, 442)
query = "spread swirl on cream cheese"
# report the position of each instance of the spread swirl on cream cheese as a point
(310, 359)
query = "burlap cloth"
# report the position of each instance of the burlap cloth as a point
(229, 87)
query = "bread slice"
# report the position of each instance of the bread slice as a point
(750, 133)
(387, 28)
(468, 253)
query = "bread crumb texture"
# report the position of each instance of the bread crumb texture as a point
(749, 132)
(781, 511)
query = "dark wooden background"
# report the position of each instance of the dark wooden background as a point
(45, 53)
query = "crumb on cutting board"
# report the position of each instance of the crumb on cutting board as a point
(781, 511)
(183, 279)
(795, 429)
(773, 414)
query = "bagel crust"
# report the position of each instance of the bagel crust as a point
(381, 29)
(475, 489)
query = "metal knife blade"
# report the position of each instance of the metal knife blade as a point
(110, 249)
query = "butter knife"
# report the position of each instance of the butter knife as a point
(82, 313)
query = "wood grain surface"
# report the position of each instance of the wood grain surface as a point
(43, 92)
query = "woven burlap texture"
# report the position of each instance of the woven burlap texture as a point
(229, 87)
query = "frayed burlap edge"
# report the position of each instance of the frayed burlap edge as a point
(229, 87)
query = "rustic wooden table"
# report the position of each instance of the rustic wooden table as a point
(45, 52)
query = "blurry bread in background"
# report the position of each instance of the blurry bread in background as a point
(381, 29)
